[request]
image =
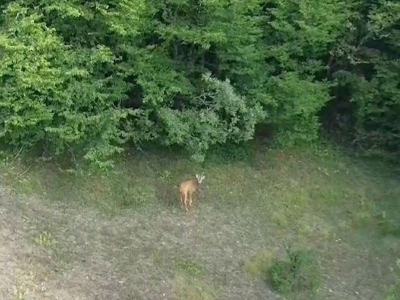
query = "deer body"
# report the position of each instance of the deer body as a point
(188, 188)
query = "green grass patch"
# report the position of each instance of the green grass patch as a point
(185, 289)
(299, 274)
(46, 240)
(258, 265)
(190, 267)
(394, 291)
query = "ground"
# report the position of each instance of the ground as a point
(122, 235)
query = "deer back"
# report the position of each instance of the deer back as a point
(189, 186)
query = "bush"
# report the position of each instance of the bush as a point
(223, 116)
(300, 273)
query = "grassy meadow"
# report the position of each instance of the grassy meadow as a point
(123, 235)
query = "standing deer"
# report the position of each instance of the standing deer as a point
(187, 188)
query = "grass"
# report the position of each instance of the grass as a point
(191, 268)
(393, 292)
(191, 289)
(259, 265)
(124, 232)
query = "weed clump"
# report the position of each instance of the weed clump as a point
(301, 273)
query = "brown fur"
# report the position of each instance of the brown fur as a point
(188, 188)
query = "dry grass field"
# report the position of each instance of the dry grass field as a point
(123, 235)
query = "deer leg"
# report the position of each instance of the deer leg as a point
(190, 199)
(185, 201)
(181, 199)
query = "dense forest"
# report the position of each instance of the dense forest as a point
(95, 76)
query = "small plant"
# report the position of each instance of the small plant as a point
(191, 268)
(45, 239)
(18, 295)
(166, 175)
(300, 273)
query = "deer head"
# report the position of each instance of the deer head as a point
(200, 178)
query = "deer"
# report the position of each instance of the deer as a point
(187, 188)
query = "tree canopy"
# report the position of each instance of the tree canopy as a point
(93, 76)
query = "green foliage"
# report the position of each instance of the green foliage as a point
(222, 116)
(300, 273)
(367, 69)
(298, 101)
(53, 94)
(299, 33)
(89, 77)
(298, 36)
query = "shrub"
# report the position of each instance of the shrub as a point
(300, 273)
(222, 116)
